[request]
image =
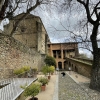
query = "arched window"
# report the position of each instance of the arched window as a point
(60, 65)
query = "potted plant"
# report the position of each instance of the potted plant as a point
(21, 71)
(26, 70)
(52, 68)
(43, 81)
(34, 71)
(32, 90)
(46, 70)
(49, 71)
(50, 61)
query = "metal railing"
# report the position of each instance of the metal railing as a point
(10, 87)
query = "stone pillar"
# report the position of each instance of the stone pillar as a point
(62, 54)
(56, 64)
(51, 53)
(62, 65)
(56, 55)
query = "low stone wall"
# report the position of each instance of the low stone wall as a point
(80, 67)
(14, 55)
(85, 60)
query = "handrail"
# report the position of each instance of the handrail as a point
(12, 89)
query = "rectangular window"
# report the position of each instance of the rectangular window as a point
(54, 53)
(59, 53)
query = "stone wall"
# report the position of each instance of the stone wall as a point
(14, 55)
(79, 66)
(30, 32)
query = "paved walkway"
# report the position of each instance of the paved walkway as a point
(77, 77)
(77, 89)
(51, 89)
(72, 87)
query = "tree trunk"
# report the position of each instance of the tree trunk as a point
(3, 7)
(95, 73)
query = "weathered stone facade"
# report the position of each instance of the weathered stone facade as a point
(31, 32)
(27, 47)
(14, 55)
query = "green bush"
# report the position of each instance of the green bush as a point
(32, 90)
(19, 71)
(45, 70)
(43, 80)
(52, 69)
(49, 70)
(26, 68)
(34, 69)
(50, 61)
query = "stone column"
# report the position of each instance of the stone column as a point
(62, 53)
(51, 53)
(56, 64)
(62, 65)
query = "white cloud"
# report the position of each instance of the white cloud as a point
(81, 51)
(98, 37)
(85, 51)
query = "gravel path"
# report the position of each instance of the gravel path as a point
(70, 90)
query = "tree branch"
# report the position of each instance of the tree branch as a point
(24, 16)
(95, 10)
(3, 9)
(87, 10)
(82, 2)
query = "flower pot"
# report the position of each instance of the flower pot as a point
(43, 87)
(49, 77)
(51, 73)
(35, 98)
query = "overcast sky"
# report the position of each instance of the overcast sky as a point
(58, 20)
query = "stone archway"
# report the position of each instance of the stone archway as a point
(76, 69)
(60, 65)
(65, 65)
(69, 64)
(72, 67)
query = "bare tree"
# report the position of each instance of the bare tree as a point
(3, 6)
(8, 8)
(91, 23)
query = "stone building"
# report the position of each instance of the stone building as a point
(30, 32)
(61, 51)
(27, 47)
